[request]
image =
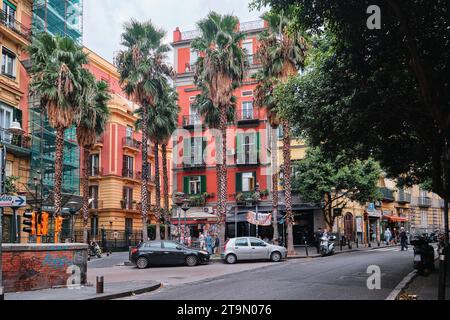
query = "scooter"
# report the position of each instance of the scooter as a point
(423, 255)
(94, 250)
(327, 245)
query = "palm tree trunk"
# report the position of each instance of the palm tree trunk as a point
(274, 155)
(222, 190)
(158, 194)
(144, 183)
(59, 153)
(165, 190)
(287, 184)
(85, 180)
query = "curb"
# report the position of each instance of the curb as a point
(122, 294)
(402, 285)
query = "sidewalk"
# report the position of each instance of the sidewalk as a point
(312, 251)
(112, 290)
(426, 288)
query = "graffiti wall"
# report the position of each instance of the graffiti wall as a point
(32, 267)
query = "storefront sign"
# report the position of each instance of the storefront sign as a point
(260, 219)
(375, 213)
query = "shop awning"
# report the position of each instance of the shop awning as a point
(395, 219)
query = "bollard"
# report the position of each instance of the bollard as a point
(99, 284)
(357, 245)
(306, 248)
(341, 244)
(378, 243)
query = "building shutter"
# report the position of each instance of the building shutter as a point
(204, 145)
(203, 184)
(186, 185)
(240, 148)
(238, 182)
(187, 151)
(198, 155)
(254, 181)
(253, 157)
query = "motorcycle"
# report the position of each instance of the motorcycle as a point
(94, 250)
(327, 245)
(423, 255)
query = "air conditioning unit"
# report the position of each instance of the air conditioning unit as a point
(208, 209)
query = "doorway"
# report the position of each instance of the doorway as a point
(349, 226)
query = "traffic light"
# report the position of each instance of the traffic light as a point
(58, 224)
(30, 222)
(44, 223)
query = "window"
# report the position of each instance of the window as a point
(128, 225)
(193, 149)
(127, 202)
(95, 162)
(127, 167)
(248, 46)
(9, 12)
(247, 146)
(6, 114)
(257, 243)
(154, 244)
(247, 110)
(8, 63)
(423, 218)
(170, 245)
(129, 133)
(247, 93)
(194, 185)
(94, 226)
(241, 243)
(193, 58)
(93, 194)
(248, 181)
(194, 117)
(9, 168)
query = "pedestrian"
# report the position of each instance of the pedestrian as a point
(216, 243)
(317, 236)
(403, 239)
(394, 236)
(201, 239)
(387, 236)
(209, 244)
(374, 236)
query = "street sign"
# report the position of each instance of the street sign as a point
(12, 201)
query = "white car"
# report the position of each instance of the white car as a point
(250, 248)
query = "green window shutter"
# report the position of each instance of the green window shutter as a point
(187, 151)
(238, 182)
(240, 149)
(204, 144)
(203, 184)
(258, 145)
(254, 180)
(10, 4)
(186, 185)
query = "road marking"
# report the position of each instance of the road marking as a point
(393, 295)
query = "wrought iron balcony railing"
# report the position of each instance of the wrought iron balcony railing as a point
(388, 194)
(192, 120)
(95, 172)
(11, 23)
(131, 143)
(21, 141)
(424, 202)
(247, 115)
(403, 197)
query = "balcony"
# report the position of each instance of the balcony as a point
(190, 163)
(131, 144)
(424, 202)
(191, 121)
(14, 25)
(441, 203)
(96, 204)
(252, 60)
(247, 158)
(388, 194)
(247, 117)
(19, 145)
(403, 197)
(95, 172)
(129, 205)
(99, 142)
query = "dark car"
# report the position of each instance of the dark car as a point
(165, 252)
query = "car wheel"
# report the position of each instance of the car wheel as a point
(142, 263)
(231, 259)
(191, 261)
(275, 257)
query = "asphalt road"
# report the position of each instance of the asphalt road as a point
(343, 276)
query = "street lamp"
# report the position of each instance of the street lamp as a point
(179, 199)
(185, 208)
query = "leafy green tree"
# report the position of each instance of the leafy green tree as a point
(57, 79)
(143, 75)
(333, 182)
(91, 124)
(220, 69)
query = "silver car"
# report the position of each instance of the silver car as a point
(250, 248)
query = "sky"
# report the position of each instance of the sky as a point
(104, 19)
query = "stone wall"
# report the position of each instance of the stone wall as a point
(29, 267)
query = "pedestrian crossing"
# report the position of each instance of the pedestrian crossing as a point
(385, 249)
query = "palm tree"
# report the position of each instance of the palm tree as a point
(162, 122)
(57, 79)
(91, 125)
(143, 75)
(282, 54)
(220, 69)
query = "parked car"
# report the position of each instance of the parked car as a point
(250, 248)
(165, 252)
